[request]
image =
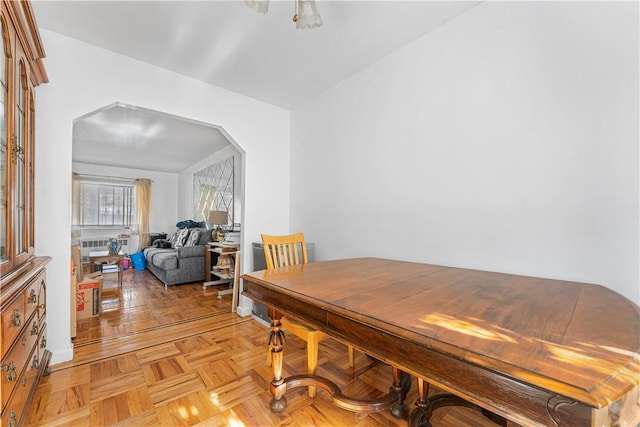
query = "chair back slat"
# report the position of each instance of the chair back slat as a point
(281, 251)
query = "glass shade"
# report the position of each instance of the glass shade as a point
(307, 15)
(260, 6)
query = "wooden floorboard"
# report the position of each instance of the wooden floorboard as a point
(205, 371)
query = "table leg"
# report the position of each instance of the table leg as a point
(120, 274)
(276, 343)
(425, 406)
(418, 418)
(394, 400)
(401, 386)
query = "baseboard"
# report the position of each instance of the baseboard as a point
(260, 320)
(243, 311)
(61, 355)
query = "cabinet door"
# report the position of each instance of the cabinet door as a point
(21, 70)
(21, 160)
(6, 260)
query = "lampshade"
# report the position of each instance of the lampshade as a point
(260, 6)
(307, 15)
(218, 217)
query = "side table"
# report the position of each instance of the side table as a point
(222, 265)
(103, 256)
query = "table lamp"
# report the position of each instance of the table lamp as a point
(218, 218)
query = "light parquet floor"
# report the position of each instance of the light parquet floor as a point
(145, 304)
(208, 371)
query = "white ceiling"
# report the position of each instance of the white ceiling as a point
(228, 45)
(121, 135)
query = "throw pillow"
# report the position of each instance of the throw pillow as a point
(162, 244)
(181, 238)
(194, 236)
(205, 236)
(173, 237)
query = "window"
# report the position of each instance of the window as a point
(106, 204)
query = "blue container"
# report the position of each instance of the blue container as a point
(138, 261)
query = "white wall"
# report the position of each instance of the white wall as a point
(505, 140)
(84, 78)
(164, 192)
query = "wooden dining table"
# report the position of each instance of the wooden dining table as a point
(528, 351)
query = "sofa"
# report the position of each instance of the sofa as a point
(181, 258)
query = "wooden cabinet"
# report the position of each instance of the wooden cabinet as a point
(24, 356)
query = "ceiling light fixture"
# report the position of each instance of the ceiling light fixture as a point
(306, 13)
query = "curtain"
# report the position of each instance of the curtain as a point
(143, 206)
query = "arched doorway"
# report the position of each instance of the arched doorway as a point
(123, 141)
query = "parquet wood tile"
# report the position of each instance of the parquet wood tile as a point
(188, 410)
(157, 352)
(110, 386)
(253, 412)
(200, 350)
(206, 370)
(112, 367)
(217, 373)
(52, 403)
(121, 407)
(235, 392)
(80, 417)
(66, 379)
(164, 369)
(177, 386)
(144, 419)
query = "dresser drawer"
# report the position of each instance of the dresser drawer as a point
(9, 416)
(13, 319)
(41, 346)
(42, 295)
(33, 294)
(17, 359)
(14, 409)
(23, 322)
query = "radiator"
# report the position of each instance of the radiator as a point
(99, 244)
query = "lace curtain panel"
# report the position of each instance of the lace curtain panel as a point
(143, 205)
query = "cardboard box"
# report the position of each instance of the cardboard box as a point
(88, 297)
(88, 288)
(73, 293)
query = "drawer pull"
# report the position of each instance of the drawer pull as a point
(33, 297)
(36, 363)
(34, 328)
(41, 306)
(13, 420)
(24, 382)
(10, 372)
(16, 319)
(43, 342)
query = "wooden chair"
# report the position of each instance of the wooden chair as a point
(280, 251)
